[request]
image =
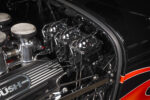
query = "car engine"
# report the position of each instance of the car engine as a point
(65, 55)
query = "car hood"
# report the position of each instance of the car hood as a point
(139, 7)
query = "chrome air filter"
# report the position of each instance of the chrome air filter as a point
(23, 30)
(2, 37)
(2, 58)
(4, 17)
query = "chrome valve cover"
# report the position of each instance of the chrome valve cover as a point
(24, 81)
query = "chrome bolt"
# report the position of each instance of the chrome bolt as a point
(112, 75)
(95, 77)
(64, 90)
(111, 80)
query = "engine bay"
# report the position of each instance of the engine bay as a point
(57, 55)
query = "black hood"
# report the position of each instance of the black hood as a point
(140, 7)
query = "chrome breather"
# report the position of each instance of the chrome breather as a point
(2, 58)
(24, 33)
(2, 62)
(2, 37)
(4, 19)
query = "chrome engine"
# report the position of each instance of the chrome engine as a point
(64, 56)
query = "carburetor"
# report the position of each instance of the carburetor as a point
(50, 31)
(71, 45)
(64, 40)
(85, 49)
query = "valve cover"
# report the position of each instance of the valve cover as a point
(29, 78)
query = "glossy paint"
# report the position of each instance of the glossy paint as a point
(139, 93)
(131, 21)
(134, 74)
